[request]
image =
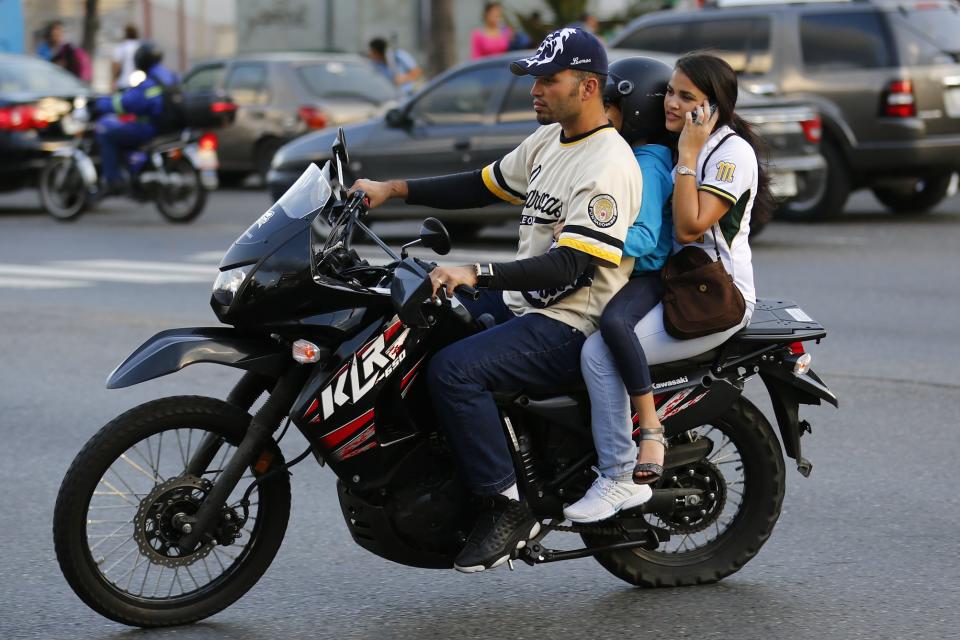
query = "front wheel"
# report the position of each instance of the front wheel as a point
(63, 192)
(182, 196)
(119, 513)
(916, 196)
(742, 480)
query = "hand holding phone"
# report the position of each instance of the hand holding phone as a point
(700, 118)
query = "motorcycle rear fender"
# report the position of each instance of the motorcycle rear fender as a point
(787, 392)
(87, 169)
(174, 349)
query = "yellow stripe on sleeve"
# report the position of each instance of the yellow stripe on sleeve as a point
(611, 258)
(117, 103)
(491, 183)
(153, 92)
(720, 193)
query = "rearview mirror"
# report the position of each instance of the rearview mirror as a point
(433, 235)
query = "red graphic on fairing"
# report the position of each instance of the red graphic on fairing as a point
(673, 405)
(372, 363)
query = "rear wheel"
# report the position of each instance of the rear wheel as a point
(183, 196)
(743, 485)
(118, 516)
(915, 196)
(63, 192)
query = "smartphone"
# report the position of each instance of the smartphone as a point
(713, 109)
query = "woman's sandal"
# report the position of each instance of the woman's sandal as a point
(653, 470)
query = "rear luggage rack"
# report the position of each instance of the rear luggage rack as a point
(780, 321)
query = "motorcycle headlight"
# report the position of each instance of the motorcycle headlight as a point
(227, 284)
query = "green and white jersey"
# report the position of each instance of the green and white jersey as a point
(727, 168)
(584, 193)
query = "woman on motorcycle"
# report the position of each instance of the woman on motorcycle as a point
(718, 183)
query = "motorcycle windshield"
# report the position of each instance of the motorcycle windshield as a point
(308, 194)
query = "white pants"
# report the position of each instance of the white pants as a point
(609, 402)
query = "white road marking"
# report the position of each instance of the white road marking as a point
(207, 271)
(7, 282)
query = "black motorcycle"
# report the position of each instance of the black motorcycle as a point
(173, 510)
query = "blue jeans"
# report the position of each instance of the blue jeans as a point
(114, 136)
(526, 353)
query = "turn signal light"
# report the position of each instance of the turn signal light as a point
(305, 352)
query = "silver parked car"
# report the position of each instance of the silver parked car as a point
(280, 96)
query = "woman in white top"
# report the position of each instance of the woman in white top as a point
(719, 183)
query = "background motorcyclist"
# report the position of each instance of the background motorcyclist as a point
(146, 100)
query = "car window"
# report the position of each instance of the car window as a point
(27, 75)
(464, 98)
(350, 79)
(670, 37)
(927, 34)
(518, 105)
(743, 42)
(845, 41)
(204, 78)
(246, 84)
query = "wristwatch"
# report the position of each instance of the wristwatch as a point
(684, 170)
(484, 274)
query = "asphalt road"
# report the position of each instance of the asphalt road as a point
(865, 548)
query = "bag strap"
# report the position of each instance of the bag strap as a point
(703, 176)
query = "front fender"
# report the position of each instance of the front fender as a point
(174, 349)
(85, 165)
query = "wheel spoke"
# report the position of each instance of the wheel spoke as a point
(116, 492)
(106, 538)
(124, 557)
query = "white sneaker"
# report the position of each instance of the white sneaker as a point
(605, 498)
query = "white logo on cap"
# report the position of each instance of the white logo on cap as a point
(550, 47)
(581, 60)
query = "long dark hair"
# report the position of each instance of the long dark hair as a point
(717, 79)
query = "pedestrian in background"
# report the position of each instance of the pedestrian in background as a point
(396, 64)
(122, 64)
(493, 37)
(51, 40)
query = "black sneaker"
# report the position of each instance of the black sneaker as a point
(505, 526)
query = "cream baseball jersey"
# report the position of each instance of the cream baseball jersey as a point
(727, 168)
(584, 193)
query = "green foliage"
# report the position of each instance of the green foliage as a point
(566, 11)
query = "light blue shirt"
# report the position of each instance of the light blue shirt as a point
(402, 63)
(650, 238)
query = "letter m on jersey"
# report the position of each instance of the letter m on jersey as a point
(725, 171)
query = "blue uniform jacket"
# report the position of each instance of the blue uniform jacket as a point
(145, 99)
(650, 238)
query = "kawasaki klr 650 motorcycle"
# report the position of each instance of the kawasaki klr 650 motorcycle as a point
(173, 510)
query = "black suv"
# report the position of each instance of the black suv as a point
(884, 75)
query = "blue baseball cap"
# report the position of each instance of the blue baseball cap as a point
(567, 48)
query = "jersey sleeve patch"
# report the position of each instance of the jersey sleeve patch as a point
(602, 210)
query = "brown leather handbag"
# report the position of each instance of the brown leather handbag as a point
(699, 296)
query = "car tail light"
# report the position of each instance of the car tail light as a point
(900, 102)
(812, 129)
(208, 142)
(223, 107)
(314, 118)
(21, 118)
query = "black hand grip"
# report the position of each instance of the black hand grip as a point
(467, 291)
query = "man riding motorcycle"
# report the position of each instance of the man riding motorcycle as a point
(145, 100)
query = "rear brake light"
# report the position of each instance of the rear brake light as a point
(314, 118)
(796, 348)
(900, 102)
(208, 142)
(223, 107)
(812, 129)
(21, 118)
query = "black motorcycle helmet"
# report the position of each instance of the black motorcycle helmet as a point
(637, 86)
(147, 55)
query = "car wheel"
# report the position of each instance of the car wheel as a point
(825, 198)
(918, 196)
